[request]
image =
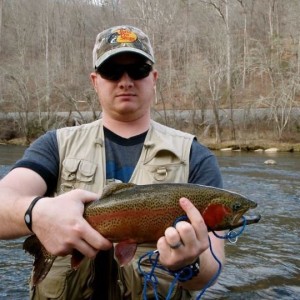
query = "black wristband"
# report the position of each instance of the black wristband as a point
(28, 213)
(188, 272)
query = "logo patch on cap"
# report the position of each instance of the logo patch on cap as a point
(126, 36)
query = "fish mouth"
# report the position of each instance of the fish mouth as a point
(246, 220)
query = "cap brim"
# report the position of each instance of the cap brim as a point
(113, 52)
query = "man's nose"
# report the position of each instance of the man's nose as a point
(126, 80)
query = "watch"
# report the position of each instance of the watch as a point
(28, 213)
(188, 272)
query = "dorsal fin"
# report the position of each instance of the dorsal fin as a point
(115, 187)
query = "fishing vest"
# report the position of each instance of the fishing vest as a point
(164, 158)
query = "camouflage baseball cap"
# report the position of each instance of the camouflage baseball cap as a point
(120, 39)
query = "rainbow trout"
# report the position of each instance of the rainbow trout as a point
(129, 214)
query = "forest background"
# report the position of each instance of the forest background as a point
(229, 70)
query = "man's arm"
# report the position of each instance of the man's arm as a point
(17, 190)
(209, 267)
(57, 221)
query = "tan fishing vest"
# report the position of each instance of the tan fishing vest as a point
(164, 158)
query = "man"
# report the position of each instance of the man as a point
(70, 167)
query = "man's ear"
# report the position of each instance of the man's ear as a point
(155, 75)
(93, 77)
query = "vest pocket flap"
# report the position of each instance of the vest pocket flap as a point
(160, 156)
(70, 166)
(86, 171)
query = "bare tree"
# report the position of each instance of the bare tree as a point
(214, 81)
(226, 54)
(222, 9)
(1, 13)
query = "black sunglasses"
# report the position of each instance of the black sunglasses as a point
(114, 72)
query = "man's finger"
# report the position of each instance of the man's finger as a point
(195, 218)
(95, 239)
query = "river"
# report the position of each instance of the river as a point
(265, 261)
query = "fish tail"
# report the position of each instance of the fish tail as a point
(43, 260)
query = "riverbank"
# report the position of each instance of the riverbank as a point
(252, 145)
(245, 145)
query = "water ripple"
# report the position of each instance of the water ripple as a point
(263, 264)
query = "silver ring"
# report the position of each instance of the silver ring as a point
(176, 246)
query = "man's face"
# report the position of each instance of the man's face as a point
(121, 95)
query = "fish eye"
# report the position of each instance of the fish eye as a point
(236, 206)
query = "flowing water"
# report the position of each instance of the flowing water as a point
(265, 261)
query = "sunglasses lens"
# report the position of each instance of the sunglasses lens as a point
(114, 72)
(137, 72)
(110, 71)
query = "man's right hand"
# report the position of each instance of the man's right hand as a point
(58, 222)
(59, 225)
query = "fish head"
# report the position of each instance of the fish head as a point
(239, 207)
(227, 211)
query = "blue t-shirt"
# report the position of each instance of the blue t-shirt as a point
(121, 155)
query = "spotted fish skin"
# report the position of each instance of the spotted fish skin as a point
(143, 212)
(130, 214)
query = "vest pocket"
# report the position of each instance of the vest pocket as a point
(55, 283)
(86, 171)
(77, 173)
(64, 283)
(164, 165)
(69, 169)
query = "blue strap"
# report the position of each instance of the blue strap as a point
(185, 273)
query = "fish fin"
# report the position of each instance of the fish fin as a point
(115, 187)
(43, 260)
(214, 214)
(76, 259)
(32, 245)
(124, 252)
